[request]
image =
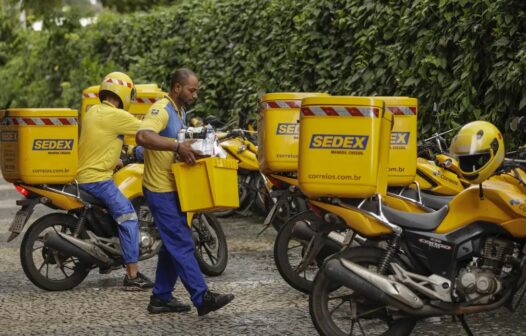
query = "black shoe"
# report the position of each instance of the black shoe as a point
(138, 283)
(158, 306)
(213, 301)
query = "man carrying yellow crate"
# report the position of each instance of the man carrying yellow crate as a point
(158, 134)
(103, 129)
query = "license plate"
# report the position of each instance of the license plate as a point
(19, 221)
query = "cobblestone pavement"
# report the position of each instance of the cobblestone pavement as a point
(264, 304)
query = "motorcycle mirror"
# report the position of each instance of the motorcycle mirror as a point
(213, 120)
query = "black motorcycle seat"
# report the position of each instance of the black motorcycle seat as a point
(418, 221)
(85, 196)
(431, 201)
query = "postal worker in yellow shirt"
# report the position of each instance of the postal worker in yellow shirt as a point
(158, 134)
(100, 144)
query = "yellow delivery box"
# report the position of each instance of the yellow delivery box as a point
(39, 145)
(278, 130)
(403, 152)
(208, 186)
(147, 94)
(344, 146)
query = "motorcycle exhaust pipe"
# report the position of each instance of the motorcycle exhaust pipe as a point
(302, 230)
(67, 246)
(378, 288)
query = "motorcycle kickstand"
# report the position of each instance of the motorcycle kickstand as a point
(270, 217)
(313, 249)
(465, 325)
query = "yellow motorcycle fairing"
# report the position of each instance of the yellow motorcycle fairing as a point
(502, 203)
(355, 219)
(59, 200)
(436, 179)
(236, 149)
(129, 180)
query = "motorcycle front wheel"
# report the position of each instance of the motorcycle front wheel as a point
(337, 311)
(45, 267)
(211, 248)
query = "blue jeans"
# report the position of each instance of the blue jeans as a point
(122, 211)
(176, 256)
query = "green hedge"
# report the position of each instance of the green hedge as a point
(464, 60)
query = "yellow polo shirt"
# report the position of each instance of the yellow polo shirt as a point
(100, 144)
(164, 119)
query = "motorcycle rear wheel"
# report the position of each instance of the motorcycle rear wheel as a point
(333, 306)
(211, 248)
(45, 267)
(289, 251)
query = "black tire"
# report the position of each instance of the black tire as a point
(71, 270)
(288, 252)
(293, 206)
(211, 248)
(262, 201)
(328, 322)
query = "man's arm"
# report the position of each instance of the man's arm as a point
(151, 140)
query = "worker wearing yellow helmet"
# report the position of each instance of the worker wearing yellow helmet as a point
(100, 144)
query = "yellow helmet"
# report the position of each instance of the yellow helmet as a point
(479, 148)
(119, 84)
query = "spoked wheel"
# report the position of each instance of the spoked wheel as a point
(337, 311)
(288, 207)
(47, 268)
(210, 244)
(289, 252)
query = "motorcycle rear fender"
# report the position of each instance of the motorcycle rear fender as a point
(60, 201)
(288, 180)
(355, 219)
(129, 180)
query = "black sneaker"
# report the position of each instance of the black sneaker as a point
(158, 306)
(213, 301)
(140, 282)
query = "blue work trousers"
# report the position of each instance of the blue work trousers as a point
(176, 256)
(122, 211)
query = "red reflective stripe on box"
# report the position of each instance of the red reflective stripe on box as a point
(281, 104)
(90, 95)
(341, 111)
(118, 81)
(145, 100)
(42, 121)
(402, 110)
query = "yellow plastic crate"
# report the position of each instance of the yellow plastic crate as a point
(403, 153)
(39, 146)
(278, 130)
(208, 186)
(344, 146)
(147, 94)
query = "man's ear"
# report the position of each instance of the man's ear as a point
(177, 88)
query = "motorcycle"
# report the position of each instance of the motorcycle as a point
(465, 258)
(304, 241)
(59, 249)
